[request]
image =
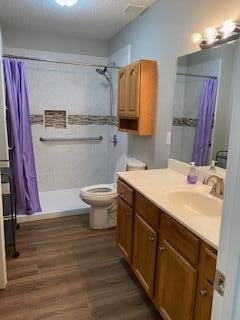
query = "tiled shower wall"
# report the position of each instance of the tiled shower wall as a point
(83, 96)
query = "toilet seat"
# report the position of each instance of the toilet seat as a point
(99, 191)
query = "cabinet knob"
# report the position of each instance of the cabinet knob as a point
(151, 238)
(161, 248)
(128, 214)
(203, 293)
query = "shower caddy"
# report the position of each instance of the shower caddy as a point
(9, 213)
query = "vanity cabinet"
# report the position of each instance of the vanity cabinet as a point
(137, 85)
(174, 266)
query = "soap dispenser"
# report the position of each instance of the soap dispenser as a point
(192, 177)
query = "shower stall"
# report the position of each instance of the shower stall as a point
(73, 121)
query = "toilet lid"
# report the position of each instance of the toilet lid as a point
(120, 166)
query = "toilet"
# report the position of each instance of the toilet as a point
(103, 197)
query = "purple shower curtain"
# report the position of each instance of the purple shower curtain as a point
(205, 118)
(20, 137)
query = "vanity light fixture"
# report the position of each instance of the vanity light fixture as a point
(197, 38)
(66, 3)
(210, 34)
(228, 31)
(228, 27)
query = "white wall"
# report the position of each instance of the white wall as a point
(120, 58)
(51, 42)
(163, 33)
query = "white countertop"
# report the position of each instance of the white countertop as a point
(156, 184)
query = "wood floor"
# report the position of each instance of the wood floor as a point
(67, 271)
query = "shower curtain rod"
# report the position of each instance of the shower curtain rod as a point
(196, 75)
(77, 63)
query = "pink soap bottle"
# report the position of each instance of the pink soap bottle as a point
(192, 177)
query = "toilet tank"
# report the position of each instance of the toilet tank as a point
(134, 164)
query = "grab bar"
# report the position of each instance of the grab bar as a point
(71, 139)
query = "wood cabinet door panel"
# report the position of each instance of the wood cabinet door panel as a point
(123, 91)
(144, 253)
(204, 299)
(175, 284)
(134, 90)
(208, 261)
(125, 192)
(125, 229)
(186, 243)
(147, 210)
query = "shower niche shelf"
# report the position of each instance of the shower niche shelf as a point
(137, 88)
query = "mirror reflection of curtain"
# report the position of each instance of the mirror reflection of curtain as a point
(205, 118)
(20, 134)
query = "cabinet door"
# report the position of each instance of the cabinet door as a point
(175, 284)
(204, 299)
(134, 90)
(123, 91)
(125, 229)
(144, 253)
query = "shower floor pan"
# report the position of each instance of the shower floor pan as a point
(58, 203)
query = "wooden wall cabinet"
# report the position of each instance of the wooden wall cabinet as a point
(174, 266)
(137, 87)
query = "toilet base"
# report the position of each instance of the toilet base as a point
(103, 218)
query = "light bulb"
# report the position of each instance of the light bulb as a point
(196, 37)
(228, 27)
(210, 34)
(66, 3)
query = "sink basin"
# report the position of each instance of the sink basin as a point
(196, 203)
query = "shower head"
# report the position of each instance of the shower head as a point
(102, 71)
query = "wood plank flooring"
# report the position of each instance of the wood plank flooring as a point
(67, 271)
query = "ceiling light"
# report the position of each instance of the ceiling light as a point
(196, 37)
(210, 34)
(228, 27)
(66, 3)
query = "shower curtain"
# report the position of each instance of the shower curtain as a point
(20, 138)
(205, 118)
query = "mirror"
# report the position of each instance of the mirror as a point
(202, 106)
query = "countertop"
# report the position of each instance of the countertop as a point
(155, 184)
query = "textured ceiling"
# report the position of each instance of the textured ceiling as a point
(93, 19)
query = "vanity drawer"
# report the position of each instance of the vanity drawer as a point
(208, 261)
(125, 192)
(147, 210)
(180, 238)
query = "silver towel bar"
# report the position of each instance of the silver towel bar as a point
(99, 138)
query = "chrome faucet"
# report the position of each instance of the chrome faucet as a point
(218, 187)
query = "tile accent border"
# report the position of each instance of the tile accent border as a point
(56, 120)
(36, 119)
(185, 122)
(89, 119)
